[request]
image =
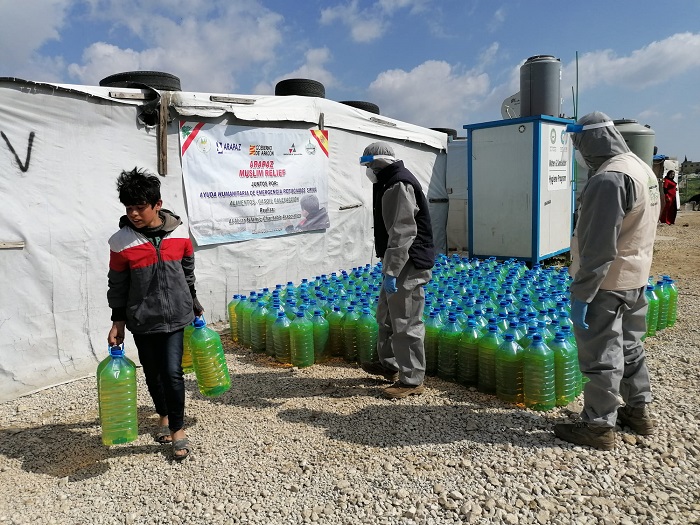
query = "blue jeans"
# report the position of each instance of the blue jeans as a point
(161, 358)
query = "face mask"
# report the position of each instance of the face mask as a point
(371, 176)
(579, 158)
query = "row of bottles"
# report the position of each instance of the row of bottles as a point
(341, 311)
(663, 305)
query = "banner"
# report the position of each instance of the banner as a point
(244, 183)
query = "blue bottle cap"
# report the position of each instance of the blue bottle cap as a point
(117, 351)
(199, 322)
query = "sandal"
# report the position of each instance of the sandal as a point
(180, 445)
(163, 435)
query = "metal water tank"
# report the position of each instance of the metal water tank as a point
(640, 139)
(540, 86)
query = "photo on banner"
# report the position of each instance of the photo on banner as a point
(245, 183)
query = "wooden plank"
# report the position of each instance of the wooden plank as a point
(9, 245)
(163, 113)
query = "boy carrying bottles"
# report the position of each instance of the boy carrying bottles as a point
(151, 292)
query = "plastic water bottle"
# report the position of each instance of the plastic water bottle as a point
(566, 370)
(652, 311)
(538, 375)
(350, 334)
(238, 311)
(367, 332)
(488, 345)
(187, 364)
(335, 332)
(245, 336)
(258, 333)
(270, 319)
(448, 348)
(280, 337)
(321, 331)
(232, 319)
(672, 301)
(116, 395)
(301, 339)
(209, 360)
(468, 358)
(663, 294)
(430, 342)
(509, 370)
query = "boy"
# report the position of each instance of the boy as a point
(151, 292)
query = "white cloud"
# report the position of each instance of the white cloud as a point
(209, 48)
(314, 67)
(653, 64)
(433, 94)
(23, 31)
(369, 24)
(497, 20)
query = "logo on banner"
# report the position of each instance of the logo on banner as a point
(553, 136)
(292, 150)
(227, 147)
(310, 148)
(256, 150)
(203, 144)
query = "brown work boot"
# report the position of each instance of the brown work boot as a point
(637, 418)
(377, 369)
(581, 433)
(398, 390)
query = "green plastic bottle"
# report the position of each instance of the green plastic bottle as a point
(335, 332)
(280, 337)
(367, 332)
(350, 334)
(245, 335)
(433, 326)
(663, 294)
(538, 375)
(232, 319)
(652, 311)
(488, 345)
(566, 370)
(187, 364)
(210, 366)
(258, 331)
(117, 400)
(242, 305)
(672, 301)
(468, 358)
(270, 319)
(509, 370)
(301, 340)
(321, 336)
(448, 348)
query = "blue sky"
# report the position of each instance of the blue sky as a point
(436, 63)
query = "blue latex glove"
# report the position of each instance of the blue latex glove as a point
(578, 313)
(390, 284)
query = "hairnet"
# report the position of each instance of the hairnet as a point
(384, 154)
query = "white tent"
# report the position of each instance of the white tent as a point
(63, 147)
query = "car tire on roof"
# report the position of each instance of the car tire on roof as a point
(361, 104)
(300, 86)
(135, 79)
(449, 131)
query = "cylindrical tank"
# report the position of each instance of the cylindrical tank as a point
(540, 86)
(640, 139)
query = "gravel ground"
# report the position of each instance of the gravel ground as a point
(321, 445)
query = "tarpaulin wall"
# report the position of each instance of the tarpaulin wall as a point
(62, 149)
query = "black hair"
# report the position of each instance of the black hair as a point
(309, 203)
(138, 186)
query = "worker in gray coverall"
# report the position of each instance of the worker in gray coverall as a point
(611, 253)
(404, 242)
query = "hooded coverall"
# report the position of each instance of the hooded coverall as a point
(611, 259)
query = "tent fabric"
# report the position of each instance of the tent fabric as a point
(64, 147)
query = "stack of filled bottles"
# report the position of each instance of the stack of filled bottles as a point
(498, 326)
